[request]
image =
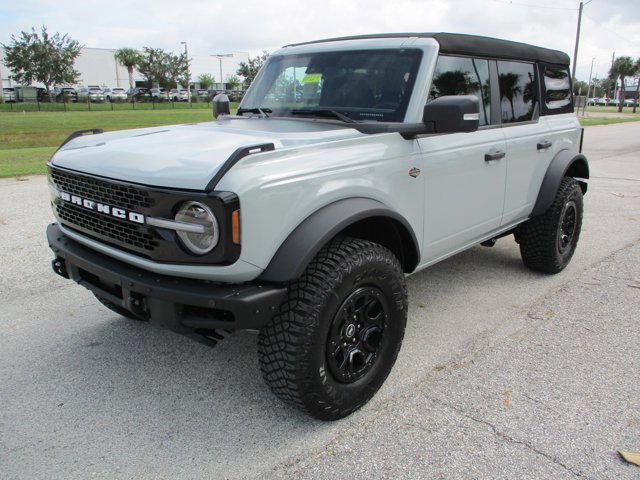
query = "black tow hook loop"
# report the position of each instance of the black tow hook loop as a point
(137, 304)
(60, 267)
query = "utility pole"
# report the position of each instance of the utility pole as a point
(575, 52)
(589, 87)
(186, 55)
(220, 56)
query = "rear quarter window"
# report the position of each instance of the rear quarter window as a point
(556, 87)
(518, 91)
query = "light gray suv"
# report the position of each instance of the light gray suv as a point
(350, 163)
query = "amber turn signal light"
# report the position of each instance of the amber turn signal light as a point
(235, 227)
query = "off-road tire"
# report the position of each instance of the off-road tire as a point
(119, 310)
(293, 347)
(539, 236)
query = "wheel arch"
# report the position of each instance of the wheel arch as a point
(564, 164)
(363, 218)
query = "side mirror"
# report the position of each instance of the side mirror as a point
(221, 105)
(453, 113)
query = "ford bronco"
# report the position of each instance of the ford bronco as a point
(349, 164)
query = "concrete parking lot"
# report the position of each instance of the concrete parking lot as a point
(504, 373)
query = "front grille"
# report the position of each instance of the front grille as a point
(158, 244)
(125, 233)
(116, 195)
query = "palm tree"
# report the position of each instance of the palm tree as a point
(622, 67)
(130, 59)
(510, 89)
(637, 74)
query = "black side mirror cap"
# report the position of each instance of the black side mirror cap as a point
(453, 113)
(221, 105)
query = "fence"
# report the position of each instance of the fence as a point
(101, 106)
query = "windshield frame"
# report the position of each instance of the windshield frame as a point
(358, 114)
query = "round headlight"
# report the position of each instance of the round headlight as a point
(196, 213)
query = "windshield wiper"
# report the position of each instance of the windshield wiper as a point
(323, 112)
(261, 111)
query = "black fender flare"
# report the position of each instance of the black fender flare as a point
(564, 164)
(306, 240)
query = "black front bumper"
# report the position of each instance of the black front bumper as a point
(183, 305)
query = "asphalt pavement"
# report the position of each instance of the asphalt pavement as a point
(504, 373)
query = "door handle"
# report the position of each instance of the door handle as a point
(544, 144)
(497, 155)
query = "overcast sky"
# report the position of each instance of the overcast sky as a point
(253, 25)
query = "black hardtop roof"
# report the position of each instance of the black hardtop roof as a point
(462, 44)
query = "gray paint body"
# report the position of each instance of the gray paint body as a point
(458, 200)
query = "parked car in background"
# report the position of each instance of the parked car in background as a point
(139, 93)
(43, 95)
(203, 94)
(159, 94)
(90, 94)
(114, 94)
(613, 102)
(178, 95)
(9, 94)
(235, 95)
(630, 102)
(65, 94)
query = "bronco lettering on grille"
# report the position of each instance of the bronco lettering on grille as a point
(101, 207)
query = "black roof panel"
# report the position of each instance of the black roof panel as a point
(462, 44)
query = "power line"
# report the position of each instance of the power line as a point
(611, 31)
(530, 5)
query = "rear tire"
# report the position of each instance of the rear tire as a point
(547, 242)
(337, 335)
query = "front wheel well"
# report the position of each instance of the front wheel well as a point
(389, 233)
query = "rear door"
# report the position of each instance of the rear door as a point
(464, 172)
(529, 144)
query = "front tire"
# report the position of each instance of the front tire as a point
(337, 335)
(547, 242)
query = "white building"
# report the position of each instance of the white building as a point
(98, 66)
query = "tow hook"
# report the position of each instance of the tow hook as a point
(137, 304)
(60, 267)
(489, 243)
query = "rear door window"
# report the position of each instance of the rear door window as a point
(518, 91)
(557, 90)
(463, 76)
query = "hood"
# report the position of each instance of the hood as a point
(187, 156)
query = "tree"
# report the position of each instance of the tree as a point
(637, 74)
(510, 86)
(250, 69)
(42, 57)
(129, 58)
(580, 87)
(233, 81)
(164, 68)
(206, 80)
(622, 67)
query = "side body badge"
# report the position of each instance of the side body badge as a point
(414, 172)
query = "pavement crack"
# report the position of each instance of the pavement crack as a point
(500, 434)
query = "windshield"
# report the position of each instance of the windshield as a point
(362, 84)
(118, 90)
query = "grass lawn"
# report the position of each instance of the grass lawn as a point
(587, 122)
(27, 140)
